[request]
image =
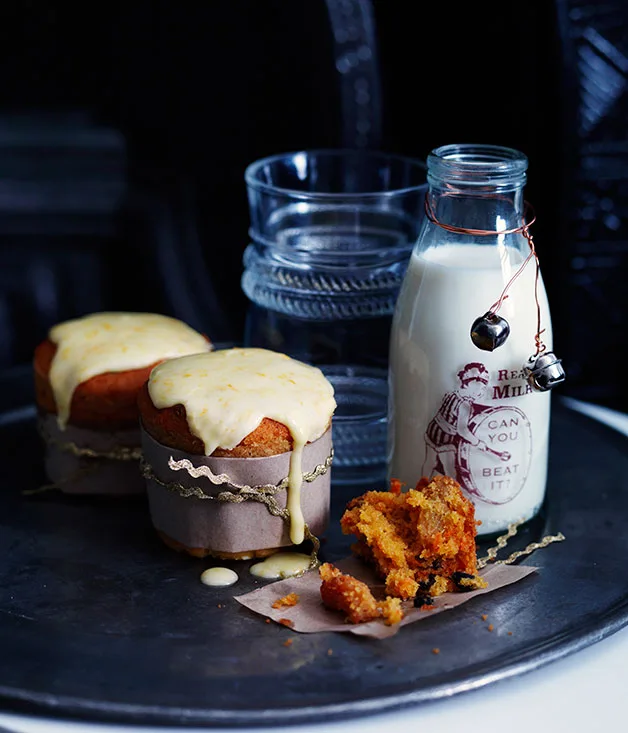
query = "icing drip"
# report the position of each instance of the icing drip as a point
(281, 565)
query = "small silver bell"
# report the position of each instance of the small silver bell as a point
(544, 372)
(489, 331)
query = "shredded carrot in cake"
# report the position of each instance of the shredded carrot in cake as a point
(420, 541)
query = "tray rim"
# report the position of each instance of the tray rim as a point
(74, 709)
(474, 677)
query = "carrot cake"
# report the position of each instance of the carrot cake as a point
(87, 373)
(421, 542)
(237, 448)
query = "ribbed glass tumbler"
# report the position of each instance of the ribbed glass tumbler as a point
(331, 232)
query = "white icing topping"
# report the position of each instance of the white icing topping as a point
(219, 577)
(281, 565)
(227, 394)
(113, 342)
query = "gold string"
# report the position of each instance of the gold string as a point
(119, 453)
(502, 541)
(265, 494)
(547, 540)
(223, 478)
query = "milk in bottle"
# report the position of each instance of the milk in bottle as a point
(455, 409)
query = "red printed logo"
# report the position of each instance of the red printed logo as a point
(486, 448)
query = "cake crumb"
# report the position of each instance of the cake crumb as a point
(510, 633)
(290, 600)
(267, 620)
(330, 652)
(354, 598)
(484, 616)
(286, 622)
(435, 650)
(391, 610)
(288, 642)
(490, 627)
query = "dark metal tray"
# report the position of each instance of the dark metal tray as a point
(100, 621)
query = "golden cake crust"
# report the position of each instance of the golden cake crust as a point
(169, 426)
(105, 402)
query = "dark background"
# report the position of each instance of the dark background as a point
(126, 128)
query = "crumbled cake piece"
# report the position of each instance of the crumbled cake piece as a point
(420, 541)
(345, 593)
(466, 581)
(392, 612)
(290, 600)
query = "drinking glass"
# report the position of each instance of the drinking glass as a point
(331, 232)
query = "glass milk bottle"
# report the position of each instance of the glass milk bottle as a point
(461, 404)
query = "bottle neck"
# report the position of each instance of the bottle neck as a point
(477, 186)
(486, 208)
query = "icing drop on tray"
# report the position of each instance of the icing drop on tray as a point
(227, 394)
(113, 342)
(281, 565)
(219, 577)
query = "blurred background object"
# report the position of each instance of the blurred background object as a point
(62, 180)
(126, 130)
(594, 196)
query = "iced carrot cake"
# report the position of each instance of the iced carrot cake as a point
(88, 373)
(237, 450)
